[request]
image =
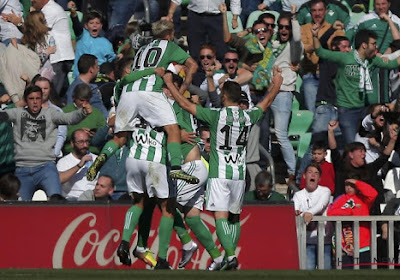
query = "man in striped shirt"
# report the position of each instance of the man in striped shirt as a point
(144, 97)
(229, 127)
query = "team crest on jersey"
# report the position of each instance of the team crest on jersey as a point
(351, 70)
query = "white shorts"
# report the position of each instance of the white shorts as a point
(152, 106)
(192, 194)
(147, 177)
(225, 195)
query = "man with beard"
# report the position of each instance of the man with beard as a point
(353, 80)
(72, 168)
(215, 79)
(264, 190)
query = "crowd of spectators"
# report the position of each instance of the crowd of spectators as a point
(58, 70)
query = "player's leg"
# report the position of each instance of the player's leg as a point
(142, 250)
(165, 231)
(175, 154)
(202, 232)
(234, 225)
(108, 150)
(131, 220)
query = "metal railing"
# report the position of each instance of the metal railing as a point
(302, 243)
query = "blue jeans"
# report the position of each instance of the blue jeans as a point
(322, 116)
(281, 109)
(310, 89)
(120, 11)
(43, 177)
(312, 256)
(349, 122)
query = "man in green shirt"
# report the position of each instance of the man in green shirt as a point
(353, 80)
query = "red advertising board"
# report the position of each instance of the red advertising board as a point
(88, 236)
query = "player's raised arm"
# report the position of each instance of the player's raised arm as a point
(182, 101)
(273, 90)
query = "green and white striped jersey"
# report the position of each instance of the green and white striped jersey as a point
(147, 143)
(229, 129)
(187, 122)
(159, 53)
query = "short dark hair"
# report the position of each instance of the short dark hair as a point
(315, 165)
(231, 51)
(313, 2)
(9, 186)
(30, 89)
(258, 22)
(263, 178)
(266, 15)
(233, 90)
(363, 36)
(319, 145)
(107, 67)
(92, 14)
(85, 62)
(82, 91)
(337, 40)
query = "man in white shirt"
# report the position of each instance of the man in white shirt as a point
(310, 201)
(72, 168)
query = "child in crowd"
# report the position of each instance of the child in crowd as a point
(89, 40)
(328, 173)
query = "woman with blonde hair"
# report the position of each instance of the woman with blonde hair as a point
(37, 38)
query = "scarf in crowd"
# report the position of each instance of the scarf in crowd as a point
(263, 73)
(365, 84)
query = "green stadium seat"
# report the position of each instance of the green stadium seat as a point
(299, 131)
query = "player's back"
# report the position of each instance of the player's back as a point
(147, 143)
(158, 53)
(228, 143)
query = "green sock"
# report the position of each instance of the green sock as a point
(203, 234)
(109, 149)
(235, 231)
(131, 220)
(180, 228)
(175, 154)
(164, 233)
(225, 237)
(145, 224)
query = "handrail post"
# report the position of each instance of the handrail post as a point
(338, 244)
(373, 245)
(321, 245)
(356, 244)
(391, 244)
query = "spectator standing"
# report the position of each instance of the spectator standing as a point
(205, 26)
(7, 29)
(89, 40)
(35, 133)
(356, 201)
(310, 201)
(310, 62)
(353, 80)
(385, 25)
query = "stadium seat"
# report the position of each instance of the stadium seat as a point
(254, 16)
(240, 25)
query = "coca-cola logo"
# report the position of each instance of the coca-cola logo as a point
(92, 244)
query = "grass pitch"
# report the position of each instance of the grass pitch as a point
(98, 274)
